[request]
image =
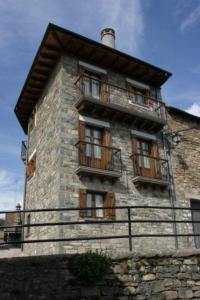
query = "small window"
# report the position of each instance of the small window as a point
(28, 221)
(91, 85)
(31, 167)
(137, 96)
(32, 121)
(92, 200)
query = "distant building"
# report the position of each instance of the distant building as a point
(98, 136)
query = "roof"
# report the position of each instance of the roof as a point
(57, 40)
(183, 113)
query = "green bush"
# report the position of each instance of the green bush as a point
(89, 267)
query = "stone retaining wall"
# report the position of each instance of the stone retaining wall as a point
(152, 277)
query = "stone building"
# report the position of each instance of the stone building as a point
(96, 126)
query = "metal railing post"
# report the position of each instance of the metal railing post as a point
(129, 229)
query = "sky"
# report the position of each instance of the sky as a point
(165, 33)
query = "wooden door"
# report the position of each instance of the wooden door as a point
(93, 150)
(196, 217)
(143, 159)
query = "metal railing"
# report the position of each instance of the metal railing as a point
(100, 157)
(149, 166)
(131, 218)
(23, 151)
(107, 92)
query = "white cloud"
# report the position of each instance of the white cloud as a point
(127, 20)
(194, 109)
(10, 189)
(191, 19)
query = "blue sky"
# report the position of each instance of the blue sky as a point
(165, 33)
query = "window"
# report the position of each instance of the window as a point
(136, 95)
(31, 166)
(95, 147)
(143, 151)
(93, 137)
(146, 160)
(32, 121)
(93, 84)
(92, 200)
(28, 221)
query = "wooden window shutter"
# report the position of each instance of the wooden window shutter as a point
(110, 202)
(82, 131)
(155, 162)
(134, 142)
(107, 138)
(104, 88)
(80, 74)
(82, 202)
(106, 160)
(31, 167)
(134, 145)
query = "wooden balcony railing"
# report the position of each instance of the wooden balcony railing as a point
(99, 157)
(150, 167)
(107, 92)
(23, 151)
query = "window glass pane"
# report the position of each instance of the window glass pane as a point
(88, 149)
(146, 162)
(89, 204)
(139, 98)
(99, 203)
(95, 89)
(87, 132)
(86, 86)
(97, 152)
(97, 134)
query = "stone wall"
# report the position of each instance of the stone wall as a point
(185, 160)
(152, 277)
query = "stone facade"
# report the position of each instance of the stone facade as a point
(149, 277)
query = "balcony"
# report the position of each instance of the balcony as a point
(24, 151)
(102, 99)
(150, 170)
(98, 161)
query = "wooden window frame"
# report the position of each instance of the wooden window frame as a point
(108, 201)
(154, 163)
(32, 121)
(103, 85)
(31, 167)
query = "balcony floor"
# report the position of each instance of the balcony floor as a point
(97, 108)
(140, 180)
(104, 174)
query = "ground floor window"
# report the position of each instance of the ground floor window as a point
(91, 200)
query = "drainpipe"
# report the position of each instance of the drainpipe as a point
(172, 192)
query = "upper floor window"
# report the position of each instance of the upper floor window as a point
(93, 82)
(146, 161)
(31, 166)
(136, 95)
(32, 120)
(91, 85)
(93, 137)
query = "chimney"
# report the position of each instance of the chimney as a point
(108, 37)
